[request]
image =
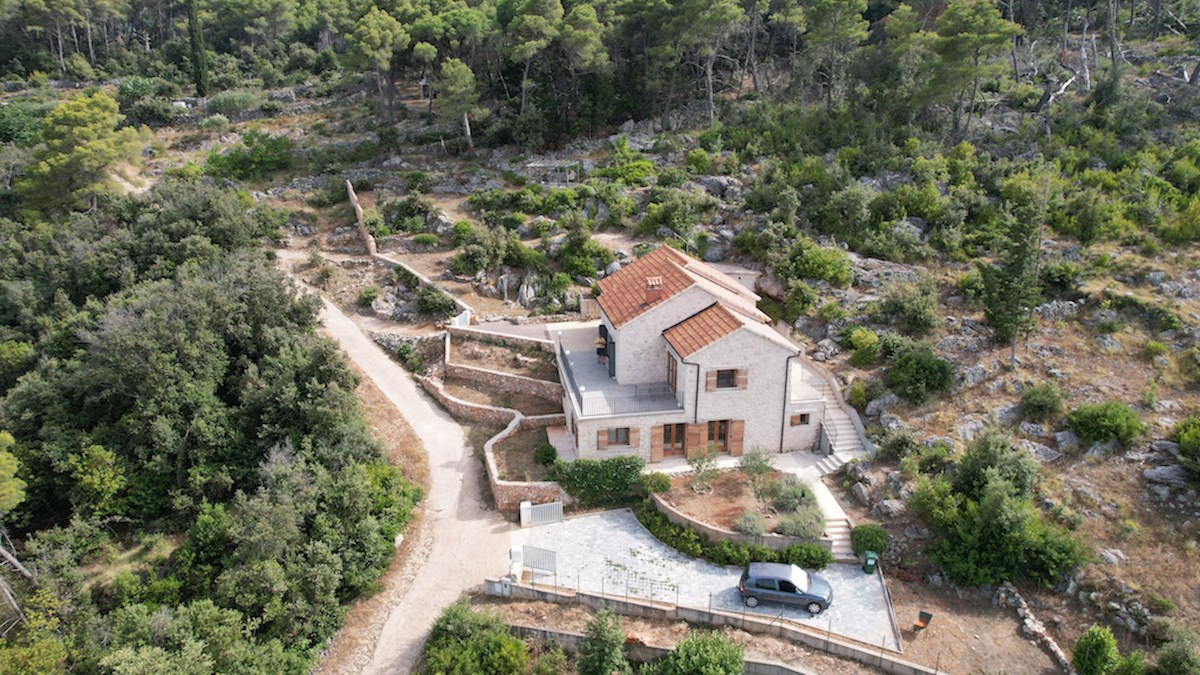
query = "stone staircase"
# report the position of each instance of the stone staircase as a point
(838, 529)
(847, 446)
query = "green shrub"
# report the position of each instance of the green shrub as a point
(792, 494)
(991, 456)
(807, 522)
(1095, 652)
(1187, 435)
(892, 345)
(418, 181)
(751, 523)
(1108, 421)
(672, 176)
(706, 653)
(865, 344)
(230, 102)
(606, 482)
(896, 446)
(868, 537)
(927, 459)
(425, 239)
(698, 161)
(368, 295)
(918, 372)
(433, 303)
(809, 556)
(1154, 349)
(655, 483)
(1041, 403)
(257, 156)
(603, 648)
(407, 354)
(214, 123)
(466, 641)
(831, 311)
(544, 454)
(911, 307)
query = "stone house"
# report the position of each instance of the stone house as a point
(688, 361)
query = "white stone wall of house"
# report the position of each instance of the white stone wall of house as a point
(641, 348)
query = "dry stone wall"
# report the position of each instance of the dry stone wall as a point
(775, 542)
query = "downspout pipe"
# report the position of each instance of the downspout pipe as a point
(787, 394)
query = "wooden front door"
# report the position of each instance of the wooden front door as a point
(673, 437)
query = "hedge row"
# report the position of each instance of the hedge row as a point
(690, 542)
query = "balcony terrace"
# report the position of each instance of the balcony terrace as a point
(592, 391)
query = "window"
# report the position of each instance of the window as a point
(726, 379)
(787, 586)
(765, 584)
(801, 419)
(672, 372)
(619, 436)
(718, 434)
(673, 438)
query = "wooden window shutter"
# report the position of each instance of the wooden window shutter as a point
(696, 435)
(736, 429)
(741, 378)
(602, 439)
(710, 381)
(656, 443)
(635, 437)
(795, 421)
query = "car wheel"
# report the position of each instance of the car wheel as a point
(751, 601)
(814, 608)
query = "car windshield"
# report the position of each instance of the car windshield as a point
(800, 578)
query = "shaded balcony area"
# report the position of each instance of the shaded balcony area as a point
(592, 391)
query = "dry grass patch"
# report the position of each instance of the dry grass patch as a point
(514, 456)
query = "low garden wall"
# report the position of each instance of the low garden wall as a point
(509, 494)
(870, 655)
(507, 382)
(775, 542)
(639, 652)
(501, 339)
(465, 410)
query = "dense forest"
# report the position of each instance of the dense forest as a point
(186, 481)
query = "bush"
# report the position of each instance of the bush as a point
(544, 454)
(1041, 403)
(865, 344)
(792, 494)
(868, 537)
(257, 156)
(918, 372)
(1187, 435)
(707, 653)
(466, 641)
(655, 483)
(1108, 421)
(896, 446)
(756, 465)
(808, 522)
(606, 482)
(418, 181)
(912, 307)
(751, 523)
(433, 303)
(368, 295)
(603, 648)
(231, 102)
(1095, 652)
(425, 239)
(215, 123)
(990, 456)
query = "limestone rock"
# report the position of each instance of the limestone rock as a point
(1172, 476)
(881, 404)
(1031, 430)
(1066, 441)
(861, 494)
(888, 508)
(1041, 453)
(1007, 416)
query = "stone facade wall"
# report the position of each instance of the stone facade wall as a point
(500, 339)
(775, 542)
(513, 384)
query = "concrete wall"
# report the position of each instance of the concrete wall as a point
(775, 542)
(641, 348)
(870, 655)
(639, 652)
(500, 339)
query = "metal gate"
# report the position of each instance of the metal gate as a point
(541, 514)
(539, 559)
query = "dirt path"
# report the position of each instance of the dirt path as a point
(469, 540)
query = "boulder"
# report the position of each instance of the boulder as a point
(891, 423)
(1066, 441)
(859, 472)
(974, 375)
(1165, 446)
(881, 404)
(1031, 430)
(1109, 345)
(915, 532)
(1171, 476)
(888, 508)
(1007, 416)
(1039, 452)
(1113, 556)
(719, 249)
(969, 429)
(722, 187)
(860, 493)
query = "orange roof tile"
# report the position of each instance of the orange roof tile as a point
(623, 293)
(701, 329)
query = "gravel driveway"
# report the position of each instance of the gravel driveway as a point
(612, 553)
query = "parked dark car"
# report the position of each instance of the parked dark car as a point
(786, 584)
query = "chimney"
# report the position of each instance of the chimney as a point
(653, 289)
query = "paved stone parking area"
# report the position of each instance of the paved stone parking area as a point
(611, 552)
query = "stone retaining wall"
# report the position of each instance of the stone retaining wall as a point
(1006, 595)
(465, 410)
(506, 382)
(775, 542)
(500, 339)
(640, 652)
(508, 494)
(870, 655)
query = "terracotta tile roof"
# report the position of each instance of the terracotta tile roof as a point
(701, 329)
(623, 293)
